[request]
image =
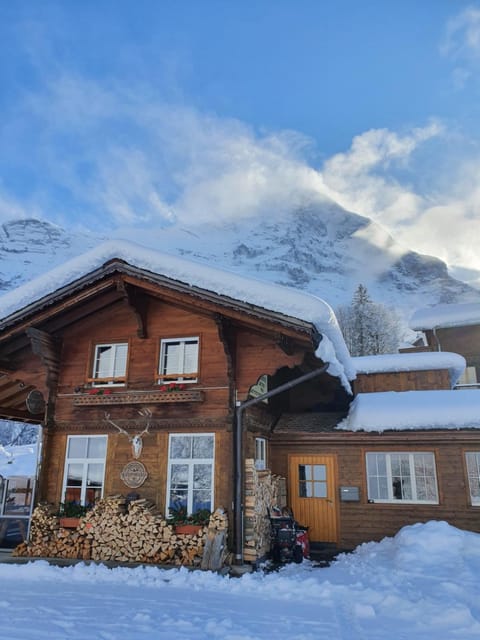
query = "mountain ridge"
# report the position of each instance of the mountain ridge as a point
(319, 247)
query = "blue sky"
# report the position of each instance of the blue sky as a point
(159, 112)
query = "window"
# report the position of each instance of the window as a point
(260, 453)
(473, 472)
(312, 481)
(110, 364)
(190, 472)
(16, 501)
(84, 469)
(178, 360)
(406, 477)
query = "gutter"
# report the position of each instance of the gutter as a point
(238, 498)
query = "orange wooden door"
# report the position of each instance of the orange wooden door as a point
(313, 495)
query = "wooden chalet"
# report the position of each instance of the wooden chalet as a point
(160, 383)
(453, 327)
(136, 378)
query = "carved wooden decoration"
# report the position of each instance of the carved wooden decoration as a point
(134, 474)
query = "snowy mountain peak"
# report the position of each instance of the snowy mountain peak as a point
(318, 247)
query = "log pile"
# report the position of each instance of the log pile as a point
(263, 490)
(120, 531)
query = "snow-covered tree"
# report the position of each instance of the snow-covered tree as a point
(16, 433)
(369, 327)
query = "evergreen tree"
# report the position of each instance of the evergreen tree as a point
(368, 327)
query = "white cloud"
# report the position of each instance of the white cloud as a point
(128, 158)
(442, 221)
(363, 178)
(13, 208)
(462, 39)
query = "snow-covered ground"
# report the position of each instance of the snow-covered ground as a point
(422, 584)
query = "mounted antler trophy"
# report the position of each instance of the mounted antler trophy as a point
(136, 440)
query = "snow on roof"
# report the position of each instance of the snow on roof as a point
(423, 361)
(18, 460)
(445, 315)
(290, 302)
(406, 410)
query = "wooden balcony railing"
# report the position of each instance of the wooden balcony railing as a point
(137, 397)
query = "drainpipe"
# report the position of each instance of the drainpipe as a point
(238, 501)
(439, 346)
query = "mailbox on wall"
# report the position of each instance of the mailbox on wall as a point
(350, 494)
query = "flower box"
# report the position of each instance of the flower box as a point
(141, 397)
(188, 529)
(69, 523)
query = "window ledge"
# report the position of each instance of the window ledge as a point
(139, 397)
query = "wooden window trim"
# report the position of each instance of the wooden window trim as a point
(84, 461)
(394, 501)
(474, 505)
(190, 462)
(120, 381)
(190, 378)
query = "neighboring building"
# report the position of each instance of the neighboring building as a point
(18, 470)
(397, 457)
(453, 327)
(194, 387)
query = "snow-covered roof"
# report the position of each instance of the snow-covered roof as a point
(422, 361)
(290, 302)
(18, 460)
(409, 410)
(445, 315)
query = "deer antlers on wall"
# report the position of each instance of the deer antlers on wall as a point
(136, 440)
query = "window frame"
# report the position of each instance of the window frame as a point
(412, 477)
(107, 381)
(474, 502)
(190, 462)
(260, 448)
(179, 377)
(85, 462)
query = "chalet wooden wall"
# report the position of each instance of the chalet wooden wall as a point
(255, 353)
(118, 324)
(462, 340)
(360, 521)
(154, 457)
(402, 381)
(258, 354)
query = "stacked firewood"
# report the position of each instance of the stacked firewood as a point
(118, 530)
(263, 491)
(47, 539)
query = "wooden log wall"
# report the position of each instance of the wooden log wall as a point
(402, 381)
(462, 340)
(363, 521)
(263, 490)
(258, 355)
(117, 324)
(154, 457)
(115, 530)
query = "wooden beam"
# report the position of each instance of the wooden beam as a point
(47, 348)
(6, 366)
(6, 413)
(137, 302)
(301, 334)
(55, 309)
(226, 336)
(286, 344)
